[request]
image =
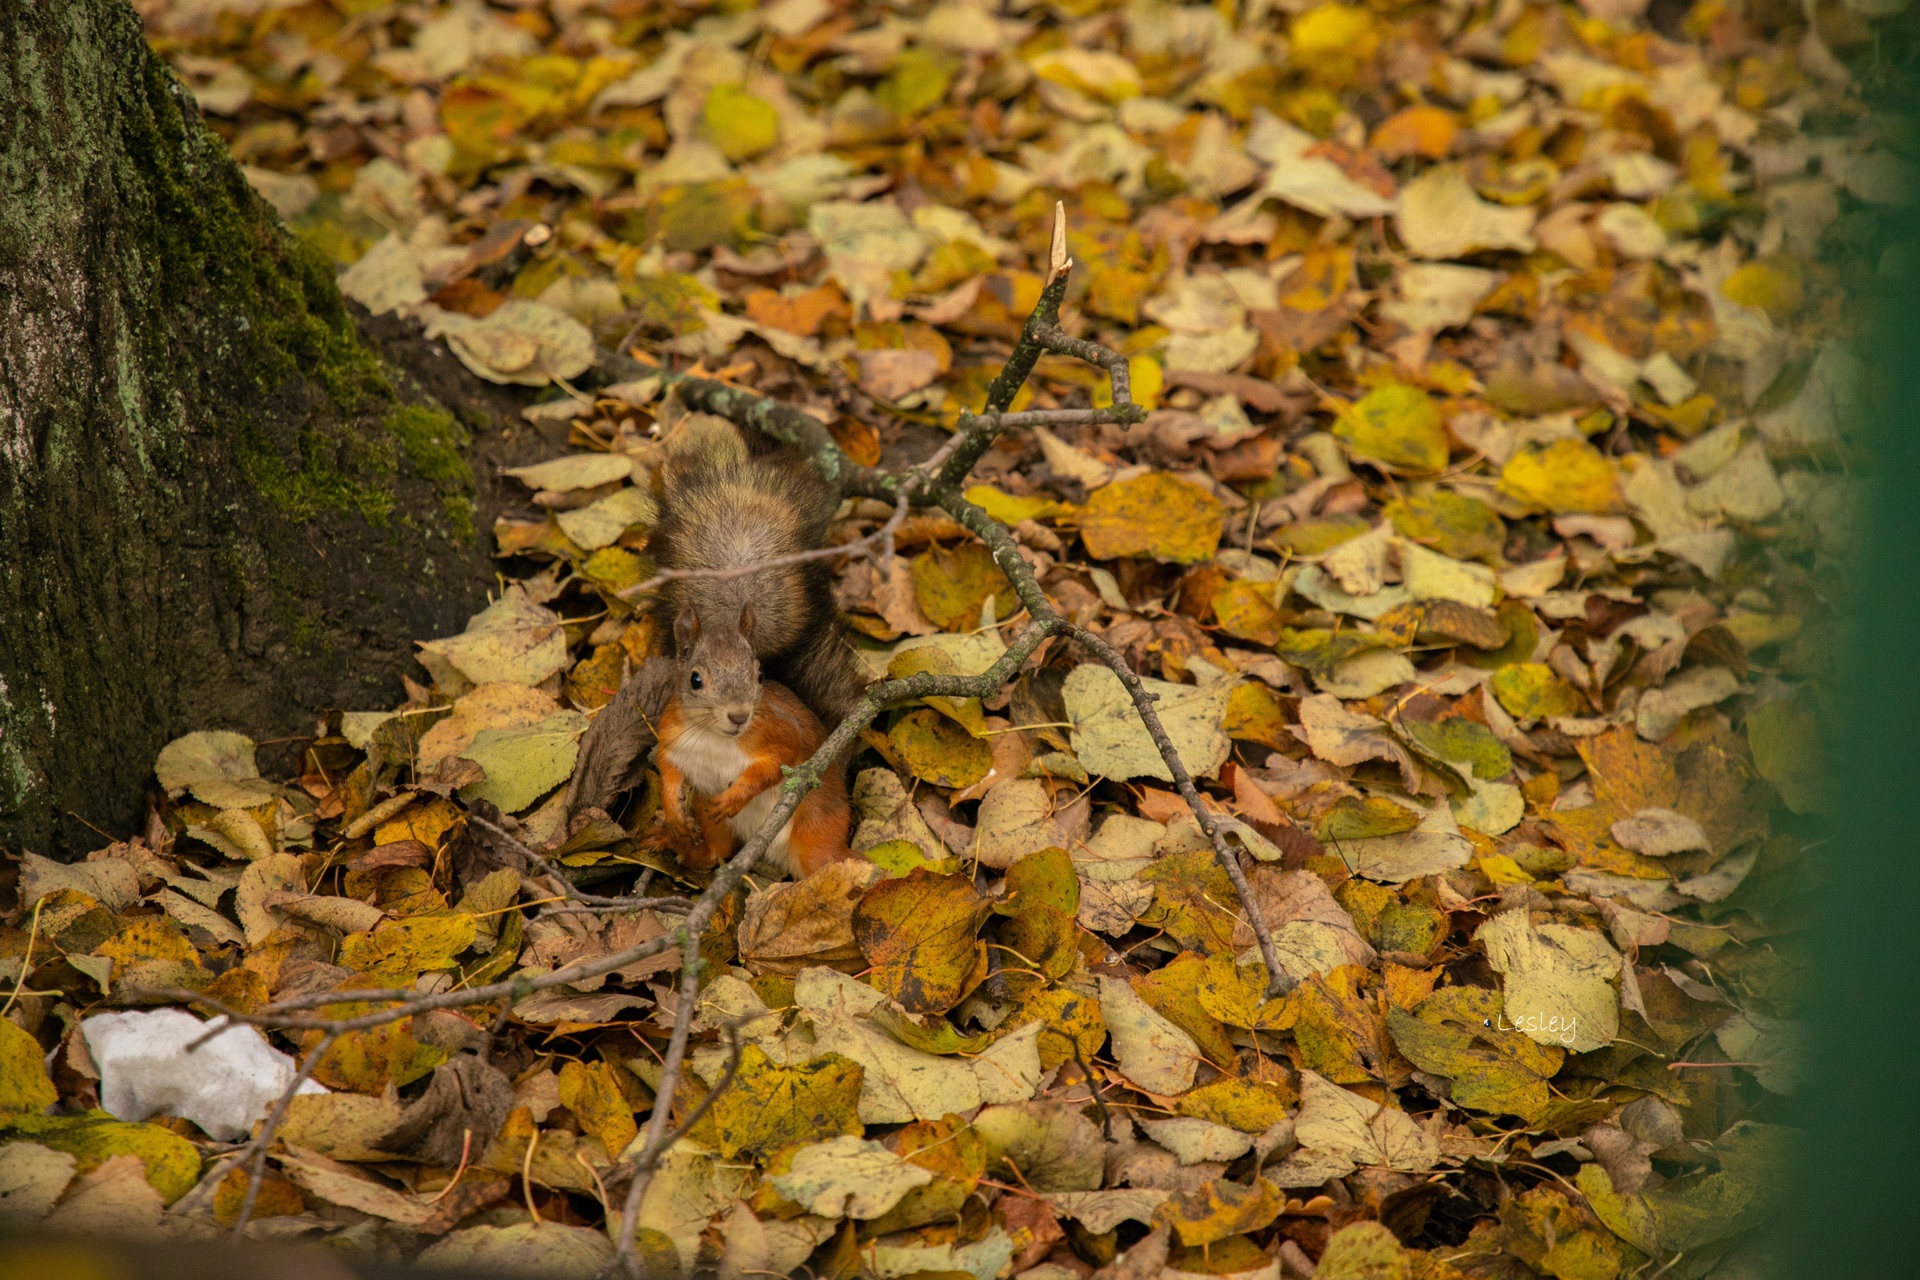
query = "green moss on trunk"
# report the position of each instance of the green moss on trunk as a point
(220, 509)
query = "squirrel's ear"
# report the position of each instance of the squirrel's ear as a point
(746, 621)
(686, 629)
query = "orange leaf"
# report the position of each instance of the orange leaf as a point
(1416, 131)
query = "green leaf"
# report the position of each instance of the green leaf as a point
(94, 1137)
(1463, 742)
(1784, 736)
(524, 764)
(1451, 523)
(1461, 1033)
(1530, 690)
(1362, 817)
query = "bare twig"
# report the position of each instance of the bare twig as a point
(565, 885)
(659, 1142)
(1278, 981)
(256, 1151)
(881, 537)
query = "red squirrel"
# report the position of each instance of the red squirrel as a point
(725, 734)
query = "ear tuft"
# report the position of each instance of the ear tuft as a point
(746, 621)
(686, 630)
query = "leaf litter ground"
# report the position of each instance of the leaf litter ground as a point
(1481, 547)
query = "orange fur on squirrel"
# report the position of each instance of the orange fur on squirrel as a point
(735, 777)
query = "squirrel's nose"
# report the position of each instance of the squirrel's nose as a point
(739, 718)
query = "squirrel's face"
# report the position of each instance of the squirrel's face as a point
(720, 680)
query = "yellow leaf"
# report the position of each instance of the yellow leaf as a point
(1237, 995)
(919, 933)
(277, 1198)
(1332, 42)
(918, 81)
(938, 750)
(1191, 894)
(1451, 523)
(25, 1085)
(1220, 1208)
(738, 123)
(1156, 515)
(1567, 477)
(428, 823)
(953, 584)
(1772, 286)
(411, 946)
(1398, 425)
(771, 1106)
(1074, 1025)
(367, 1061)
(1010, 509)
(1530, 690)
(1245, 610)
(1251, 1106)
(1173, 993)
(1254, 714)
(597, 1101)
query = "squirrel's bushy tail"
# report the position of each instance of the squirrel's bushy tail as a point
(720, 510)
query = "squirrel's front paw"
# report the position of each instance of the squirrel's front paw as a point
(679, 838)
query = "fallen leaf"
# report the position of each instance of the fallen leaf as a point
(788, 927)
(1440, 216)
(1398, 425)
(920, 935)
(1155, 515)
(1558, 985)
(1112, 741)
(1338, 1129)
(511, 639)
(525, 1248)
(771, 1106)
(1152, 1052)
(217, 766)
(31, 1180)
(848, 1177)
(1565, 477)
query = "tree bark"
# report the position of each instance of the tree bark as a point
(218, 507)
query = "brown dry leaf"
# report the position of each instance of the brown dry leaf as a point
(790, 927)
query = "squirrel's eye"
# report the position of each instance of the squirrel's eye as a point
(695, 681)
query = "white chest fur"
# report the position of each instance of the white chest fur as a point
(710, 760)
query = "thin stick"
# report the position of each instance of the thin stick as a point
(256, 1151)
(466, 1150)
(526, 1174)
(659, 1143)
(26, 961)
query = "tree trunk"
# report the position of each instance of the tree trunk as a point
(218, 507)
